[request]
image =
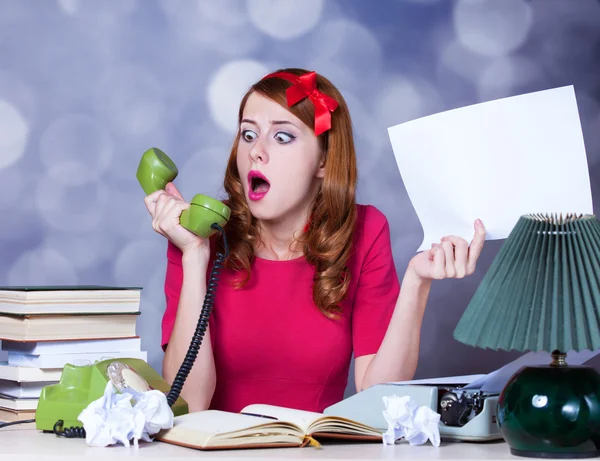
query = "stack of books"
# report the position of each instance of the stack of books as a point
(44, 328)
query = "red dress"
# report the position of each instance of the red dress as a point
(271, 343)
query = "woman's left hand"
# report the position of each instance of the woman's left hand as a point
(453, 257)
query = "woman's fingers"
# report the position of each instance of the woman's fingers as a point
(476, 246)
(438, 270)
(459, 254)
(151, 199)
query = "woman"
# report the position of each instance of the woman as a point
(310, 279)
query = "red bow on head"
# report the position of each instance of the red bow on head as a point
(306, 86)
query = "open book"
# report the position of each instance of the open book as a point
(261, 426)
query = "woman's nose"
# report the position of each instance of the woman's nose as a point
(258, 152)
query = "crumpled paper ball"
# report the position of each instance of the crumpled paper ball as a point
(131, 415)
(407, 420)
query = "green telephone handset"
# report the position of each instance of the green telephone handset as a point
(156, 170)
(60, 404)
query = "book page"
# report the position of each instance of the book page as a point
(303, 419)
(202, 428)
(15, 373)
(311, 422)
(66, 347)
(217, 422)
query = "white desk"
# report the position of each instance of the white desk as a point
(17, 444)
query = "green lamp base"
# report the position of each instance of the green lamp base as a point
(552, 411)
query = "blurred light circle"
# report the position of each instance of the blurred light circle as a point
(397, 102)
(224, 12)
(193, 130)
(14, 91)
(462, 61)
(368, 163)
(364, 124)
(203, 172)
(204, 26)
(505, 75)
(338, 48)
(238, 41)
(127, 152)
(283, 19)
(227, 87)
(12, 185)
(72, 173)
(76, 136)
(98, 10)
(69, 6)
(125, 213)
(42, 266)
(339, 37)
(496, 80)
(137, 262)
(188, 14)
(130, 99)
(19, 225)
(492, 28)
(83, 250)
(14, 133)
(71, 206)
(400, 99)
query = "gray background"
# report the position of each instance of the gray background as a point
(86, 86)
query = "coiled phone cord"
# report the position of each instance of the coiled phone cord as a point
(192, 353)
(68, 432)
(196, 342)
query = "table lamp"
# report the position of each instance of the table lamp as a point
(542, 293)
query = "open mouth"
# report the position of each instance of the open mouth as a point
(258, 185)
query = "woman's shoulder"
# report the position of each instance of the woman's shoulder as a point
(372, 230)
(371, 236)
(370, 222)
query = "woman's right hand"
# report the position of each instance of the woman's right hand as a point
(165, 207)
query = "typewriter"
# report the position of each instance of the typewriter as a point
(466, 404)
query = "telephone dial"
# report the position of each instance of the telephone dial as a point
(60, 404)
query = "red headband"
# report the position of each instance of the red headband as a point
(306, 86)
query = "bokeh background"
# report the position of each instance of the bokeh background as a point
(87, 85)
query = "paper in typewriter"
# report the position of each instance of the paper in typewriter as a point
(494, 382)
(495, 161)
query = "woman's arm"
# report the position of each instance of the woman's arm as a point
(398, 355)
(200, 383)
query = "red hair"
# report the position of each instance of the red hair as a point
(328, 241)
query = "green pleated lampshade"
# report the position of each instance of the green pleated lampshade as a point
(542, 291)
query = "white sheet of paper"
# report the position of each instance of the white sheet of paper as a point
(495, 381)
(464, 379)
(495, 161)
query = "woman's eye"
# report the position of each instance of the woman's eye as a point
(249, 135)
(283, 137)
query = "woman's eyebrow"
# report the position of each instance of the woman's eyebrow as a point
(273, 122)
(282, 122)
